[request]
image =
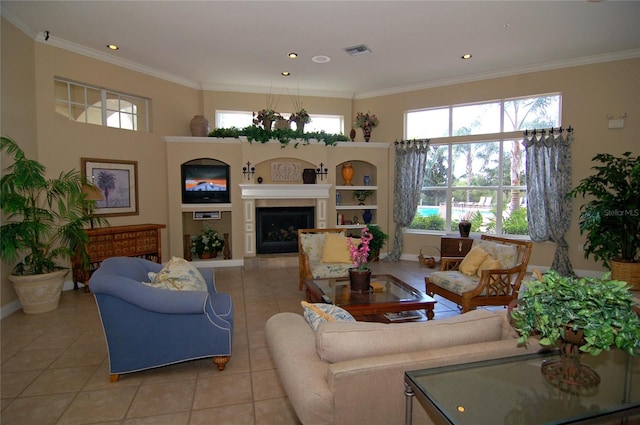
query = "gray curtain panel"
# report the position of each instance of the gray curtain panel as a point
(548, 171)
(411, 158)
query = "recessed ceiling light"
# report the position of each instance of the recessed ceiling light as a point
(293, 55)
(321, 59)
(112, 47)
(285, 73)
(466, 56)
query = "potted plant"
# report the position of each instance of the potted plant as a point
(207, 244)
(367, 122)
(582, 315)
(45, 219)
(361, 195)
(611, 218)
(300, 118)
(266, 117)
(379, 238)
(360, 273)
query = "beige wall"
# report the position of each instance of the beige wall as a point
(589, 93)
(18, 110)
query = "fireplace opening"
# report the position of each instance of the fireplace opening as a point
(277, 228)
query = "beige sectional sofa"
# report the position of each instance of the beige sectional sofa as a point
(353, 372)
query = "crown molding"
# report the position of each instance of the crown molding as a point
(270, 90)
(547, 66)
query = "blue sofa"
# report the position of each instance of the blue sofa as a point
(147, 327)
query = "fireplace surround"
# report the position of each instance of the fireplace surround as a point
(277, 228)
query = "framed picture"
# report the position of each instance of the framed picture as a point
(118, 184)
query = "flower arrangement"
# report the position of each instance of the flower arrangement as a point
(265, 114)
(366, 121)
(360, 252)
(301, 116)
(207, 241)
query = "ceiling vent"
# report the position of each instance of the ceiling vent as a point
(358, 50)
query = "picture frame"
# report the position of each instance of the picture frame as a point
(117, 181)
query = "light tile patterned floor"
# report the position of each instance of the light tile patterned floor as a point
(55, 372)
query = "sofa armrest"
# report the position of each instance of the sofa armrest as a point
(147, 297)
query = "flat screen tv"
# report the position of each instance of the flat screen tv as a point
(205, 184)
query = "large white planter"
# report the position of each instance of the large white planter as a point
(39, 293)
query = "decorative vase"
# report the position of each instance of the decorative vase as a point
(199, 126)
(282, 124)
(39, 293)
(309, 176)
(359, 280)
(299, 125)
(367, 216)
(568, 373)
(347, 173)
(367, 134)
(366, 180)
(464, 227)
(208, 254)
(352, 134)
(226, 250)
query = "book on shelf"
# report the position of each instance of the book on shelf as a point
(403, 315)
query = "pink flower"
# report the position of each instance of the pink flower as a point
(360, 253)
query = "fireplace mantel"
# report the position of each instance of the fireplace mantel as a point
(285, 191)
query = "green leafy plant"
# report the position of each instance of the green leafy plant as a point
(611, 218)
(429, 222)
(300, 116)
(284, 136)
(361, 195)
(603, 308)
(379, 238)
(207, 241)
(44, 217)
(516, 223)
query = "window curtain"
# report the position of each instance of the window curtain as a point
(411, 158)
(548, 172)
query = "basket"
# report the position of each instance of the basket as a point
(626, 271)
(428, 260)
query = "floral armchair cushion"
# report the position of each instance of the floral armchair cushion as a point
(313, 245)
(507, 255)
(454, 281)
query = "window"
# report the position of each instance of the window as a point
(475, 165)
(332, 124)
(92, 105)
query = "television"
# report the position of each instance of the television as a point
(205, 184)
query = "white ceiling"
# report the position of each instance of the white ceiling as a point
(243, 45)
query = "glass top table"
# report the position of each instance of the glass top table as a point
(392, 296)
(513, 391)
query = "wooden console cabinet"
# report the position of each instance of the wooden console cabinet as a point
(455, 246)
(138, 240)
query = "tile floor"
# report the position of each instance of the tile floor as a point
(54, 367)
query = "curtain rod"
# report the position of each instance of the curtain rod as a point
(402, 142)
(544, 131)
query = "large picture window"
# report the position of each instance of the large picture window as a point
(475, 166)
(93, 105)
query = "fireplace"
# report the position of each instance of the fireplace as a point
(277, 228)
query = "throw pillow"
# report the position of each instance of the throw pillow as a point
(312, 245)
(179, 275)
(336, 249)
(318, 313)
(489, 263)
(472, 261)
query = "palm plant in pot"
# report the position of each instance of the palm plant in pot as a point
(581, 315)
(611, 218)
(43, 222)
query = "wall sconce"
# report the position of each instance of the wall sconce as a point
(248, 171)
(321, 171)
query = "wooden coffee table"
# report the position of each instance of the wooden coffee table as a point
(395, 296)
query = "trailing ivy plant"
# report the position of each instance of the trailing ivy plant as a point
(284, 136)
(601, 307)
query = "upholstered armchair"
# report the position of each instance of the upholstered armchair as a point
(311, 245)
(490, 274)
(147, 327)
